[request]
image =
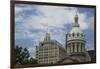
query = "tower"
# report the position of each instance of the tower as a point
(75, 42)
(47, 37)
(49, 51)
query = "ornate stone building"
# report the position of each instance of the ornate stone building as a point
(49, 51)
(75, 43)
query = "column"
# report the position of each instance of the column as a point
(75, 47)
(79, 47)
(68, 49)
(71, 46)
(82, 47)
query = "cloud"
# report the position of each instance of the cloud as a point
(49, 17)
(90, 46)
(32, 21)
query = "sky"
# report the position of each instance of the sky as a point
(33, 21)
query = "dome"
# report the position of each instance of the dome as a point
(75, 33)
(75, 30)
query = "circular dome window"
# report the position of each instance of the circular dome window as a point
(73, 34)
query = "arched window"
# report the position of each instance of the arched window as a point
(73, 34)
(77, 34)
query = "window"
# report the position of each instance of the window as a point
(73, 34)
(77, 34)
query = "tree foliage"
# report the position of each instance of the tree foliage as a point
(22, 56)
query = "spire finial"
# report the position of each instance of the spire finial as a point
(47, 37)
(76, 16)
(76, 19)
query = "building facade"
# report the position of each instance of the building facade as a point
(75, 42)
(49, 51)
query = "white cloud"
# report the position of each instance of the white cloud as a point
(52, 16)
(48, 18)
(89, 46)
(82, 21)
